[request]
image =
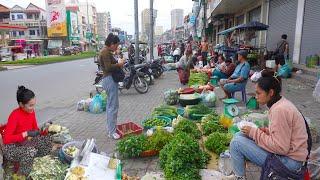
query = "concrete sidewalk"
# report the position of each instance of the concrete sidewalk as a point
(136, 107)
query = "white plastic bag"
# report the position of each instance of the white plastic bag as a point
(80, 105)
(255, 76)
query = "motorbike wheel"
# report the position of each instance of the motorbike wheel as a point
(148, 78)
(157, 72)
(141, 85)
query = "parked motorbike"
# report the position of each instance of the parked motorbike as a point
(134, 77)
(157, 67)
(146, 70)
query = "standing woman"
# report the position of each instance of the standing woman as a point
(110, 65)
(286, 137)
(22, 137)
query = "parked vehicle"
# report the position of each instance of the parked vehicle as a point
(5, 54)
(146, 70)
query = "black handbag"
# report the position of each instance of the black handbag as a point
(273, 168)
(118, 75)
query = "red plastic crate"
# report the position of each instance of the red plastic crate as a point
(128, 128)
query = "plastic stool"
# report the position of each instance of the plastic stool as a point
(244, 94)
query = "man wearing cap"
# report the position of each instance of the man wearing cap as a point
(238, 80)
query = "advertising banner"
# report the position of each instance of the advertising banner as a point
(57, 25)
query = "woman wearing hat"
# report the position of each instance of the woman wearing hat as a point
(238, 80)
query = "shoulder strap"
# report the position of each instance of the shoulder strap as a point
(309, 141)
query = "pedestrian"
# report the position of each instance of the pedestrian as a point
(22, 138)
(282, 52)
(204, 50)
(238, 80)
(109, 67)
(176, 55)
(159, 50)
(183, 67)
(286, 137)
(182, 48)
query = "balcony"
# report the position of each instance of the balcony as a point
(229, 6)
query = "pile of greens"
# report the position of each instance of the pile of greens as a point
(210, 124)
(171, 97)
(198, 109)
(48, 168)
(165, 110)
(218, 142)
(188, 127)
(154, 121)
(159, 139)
(182, 158)
(198, 79)
(132, 146)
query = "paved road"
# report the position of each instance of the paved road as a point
(57, 87)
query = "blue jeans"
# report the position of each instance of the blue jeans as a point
(219, 74)
(242, 148)
(112, 107)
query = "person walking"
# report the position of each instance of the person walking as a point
(176, 55)
(109, 67)
(281, 52)
(204, 50)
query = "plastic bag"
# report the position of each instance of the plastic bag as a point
(255, 76)
(80, 105)
(171, 97)
(209, 98)
(87, 104)
(285, 71)
(104, 100)
(316, 92)
(96, 104)
(225, 165)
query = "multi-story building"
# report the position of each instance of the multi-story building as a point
(88, 19)
(120, 33)
(145, 22)
(103, 25)
(176, 18)
(34, 18)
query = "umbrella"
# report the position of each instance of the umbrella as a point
(253, 25)
(227, 31)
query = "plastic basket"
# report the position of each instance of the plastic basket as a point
(128, 128)
(181, 111)
(164, 118)
(149, 153)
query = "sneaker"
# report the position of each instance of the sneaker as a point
(114, 136)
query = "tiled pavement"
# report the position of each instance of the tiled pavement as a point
(135, 107)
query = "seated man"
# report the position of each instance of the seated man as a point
(238, 79)
(225, 71)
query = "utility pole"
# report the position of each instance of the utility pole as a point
(136, 32)
(151, 30)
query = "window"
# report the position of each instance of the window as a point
(29, 16)
(32, 32)
(21, 33)
(255, 14)
(14, 33)
(36, 16)
(240, 19)
(13, 17)
(19, 16)
(38, 32)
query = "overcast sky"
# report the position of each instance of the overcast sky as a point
(122, 10)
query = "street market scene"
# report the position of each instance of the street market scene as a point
(159, 90)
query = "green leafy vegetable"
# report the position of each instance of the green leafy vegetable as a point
(197, 109)
(132, 146)
(159, 139)
(154, 121)
(182, 158)
(218, 142)
(210, 124)
(188, 127)
(165, 110)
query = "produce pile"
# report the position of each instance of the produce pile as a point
(171, 97)
(154, 121)
(48, 168)
(198, 79)
(199, 109)
(165, 110)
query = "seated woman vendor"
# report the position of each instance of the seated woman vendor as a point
(286, 136)
(22, 137)
(224, 71)
(208, 69)
(238, 79)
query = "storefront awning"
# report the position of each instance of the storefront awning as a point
(8, 27)
(231, 6)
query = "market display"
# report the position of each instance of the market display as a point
(171, 97)
(48, 168)
(165, 110)
(218, 142)
(77, 173)
(71, 151)
(198, 79)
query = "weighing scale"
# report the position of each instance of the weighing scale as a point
(230, 107)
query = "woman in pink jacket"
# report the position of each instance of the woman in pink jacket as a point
(286, 136)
